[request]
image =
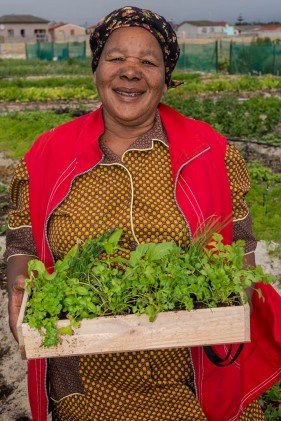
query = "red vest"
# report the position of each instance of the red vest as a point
(201, 190)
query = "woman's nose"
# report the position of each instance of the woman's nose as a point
(131, 71)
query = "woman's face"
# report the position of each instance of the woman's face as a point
(130, 76)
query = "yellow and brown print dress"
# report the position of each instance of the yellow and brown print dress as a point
(135, 193)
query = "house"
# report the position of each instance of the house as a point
(268, 31)
(90, 29)
(247, 30)
(60, 32)
(204, 29)
(23, 28)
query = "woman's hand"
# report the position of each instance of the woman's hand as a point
(15, 291)
(17, 272)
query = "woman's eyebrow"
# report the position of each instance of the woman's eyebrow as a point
(113, 50)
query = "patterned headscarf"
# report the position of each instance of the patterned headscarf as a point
(133, 16)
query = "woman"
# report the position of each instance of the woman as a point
(140, 166)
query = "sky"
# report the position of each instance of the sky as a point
(88, 12)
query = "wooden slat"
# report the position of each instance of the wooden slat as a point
(129, 333)
(21, 337)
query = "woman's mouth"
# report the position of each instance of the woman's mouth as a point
(130, 94)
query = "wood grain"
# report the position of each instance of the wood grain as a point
(130, 333)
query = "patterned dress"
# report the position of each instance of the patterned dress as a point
(135, 193)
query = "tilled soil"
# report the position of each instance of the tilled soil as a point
(14, 404)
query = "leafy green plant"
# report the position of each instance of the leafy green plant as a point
(92, 281)
(257, 118)
(264, 200)
(271, 402)
(46, 94)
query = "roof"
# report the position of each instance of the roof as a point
(202, 23)
(59, 25)
(222, 23)
(56, 25)
(21, 19)
(269, 28)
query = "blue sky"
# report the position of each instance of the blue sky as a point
(90, 11)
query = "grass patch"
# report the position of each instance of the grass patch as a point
(25, 68)
(20, 130)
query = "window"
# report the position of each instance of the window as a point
(72, 32)
(11, 33)
(40, 34)
(22, 33)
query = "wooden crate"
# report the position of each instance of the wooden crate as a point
(130, 333)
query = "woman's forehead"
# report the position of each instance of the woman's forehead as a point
(122, 39)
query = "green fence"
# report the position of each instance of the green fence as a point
(251, 58)
(198, 57)
(255, 58)
(56, 50)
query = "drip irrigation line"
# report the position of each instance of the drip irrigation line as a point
(254, 142)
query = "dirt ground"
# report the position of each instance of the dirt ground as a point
(14, 404)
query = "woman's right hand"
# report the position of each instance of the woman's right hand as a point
(17, 273)
(15, 292)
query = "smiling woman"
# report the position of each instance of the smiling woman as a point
(138, 166)
(130, 79)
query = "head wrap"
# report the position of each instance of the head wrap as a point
(133, 16)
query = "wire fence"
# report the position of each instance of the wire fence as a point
(56, 50)
(236, 58)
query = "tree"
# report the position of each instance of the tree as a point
(240, 20)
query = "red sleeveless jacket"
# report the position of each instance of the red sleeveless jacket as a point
(201, 190)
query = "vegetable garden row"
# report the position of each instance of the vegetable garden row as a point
(244, 107)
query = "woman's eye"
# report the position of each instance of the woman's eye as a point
(117, 59)
(149, 63)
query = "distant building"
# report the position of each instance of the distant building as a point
(90, 29)
(60, 32)
(204, 29)
(23, 28)
(268, 31)
(247, 30)
(260, 31)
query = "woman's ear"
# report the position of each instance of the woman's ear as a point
(165, 88)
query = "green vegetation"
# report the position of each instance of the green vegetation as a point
(271, 401)
(196, 83)
(156, 277)
(49, 82)
(26, 68)
(264, 200)
(46, 94)
(256, 118)
(19, 130)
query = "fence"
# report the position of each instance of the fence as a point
(251, 58)
(56, 50)
(199, 57)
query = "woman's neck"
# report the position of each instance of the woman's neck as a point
(119, 137)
